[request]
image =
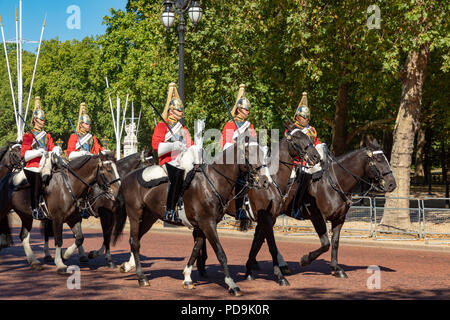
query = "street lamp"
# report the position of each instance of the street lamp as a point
(195, 13)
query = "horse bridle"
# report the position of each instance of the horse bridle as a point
(378, 176)
(302, 154)
(15, 162)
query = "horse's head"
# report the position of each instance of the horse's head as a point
(12, 157)
(252, 162)
(108, 177)
(378, 169)
(300, 145)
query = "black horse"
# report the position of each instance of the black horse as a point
(99, 204)
(329, 199)
(10, 160)
(207, 195)
(266, 204)
(61, 194)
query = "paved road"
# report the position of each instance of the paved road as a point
(405, 274)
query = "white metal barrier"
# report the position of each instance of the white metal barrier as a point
(429, 219)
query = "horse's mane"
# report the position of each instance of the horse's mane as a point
(79, 162)
(134, 155)
(348, 155)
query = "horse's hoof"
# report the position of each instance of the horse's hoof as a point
(84, 259)
(111, 264)
(249, 277)
(36, 266)
(339, 274)
(304, 261)
(123, 269)
(235, 292)
(285, 270)
(188, 285)
(92, 255)
(62, 271)
(284, 283)
(48, 259)
(143, 282)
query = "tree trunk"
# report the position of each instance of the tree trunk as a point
(338, 143)
(406, 125)
(419, 172)
(387, 143)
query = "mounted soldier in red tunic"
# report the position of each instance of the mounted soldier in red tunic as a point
(176, 151)
(231, 131)
(36, 148)
(83, 142)
(301, 172)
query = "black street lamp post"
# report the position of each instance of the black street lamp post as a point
(195, 12)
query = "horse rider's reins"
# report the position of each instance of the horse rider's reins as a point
(378, 175)
(245, 185)
(105, 187)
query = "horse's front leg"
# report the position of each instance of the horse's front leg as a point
(209, 228)
(79, 239)
(61, 268)
(267, 228)
(258, 240)
(25, 234)
(336, 270)
(195, 255)
(321, 228)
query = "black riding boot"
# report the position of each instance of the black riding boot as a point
(302, 185)
(240, 213)
(176, 181)
(35, 180)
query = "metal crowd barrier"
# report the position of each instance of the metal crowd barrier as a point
(415, 214)
(429, 219)
(436, 220)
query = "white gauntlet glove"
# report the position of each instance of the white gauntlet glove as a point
(57, 150)
(165, 147)
(31, 154)
(77, 154)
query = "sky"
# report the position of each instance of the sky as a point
(66, 19)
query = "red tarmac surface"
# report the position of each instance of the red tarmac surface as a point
(405, 273)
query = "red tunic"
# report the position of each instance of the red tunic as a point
(228, 132)
(159, 136)
(27, 141)
(73, 140)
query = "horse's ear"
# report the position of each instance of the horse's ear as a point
(368, 142)
(375, 144)
(287, 125)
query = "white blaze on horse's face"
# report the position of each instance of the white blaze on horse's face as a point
(391, 184)
(116, 173)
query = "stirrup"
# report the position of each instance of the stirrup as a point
(37, 214)
(171, 216)
(241, 214)
(84, 214)
(296, 214)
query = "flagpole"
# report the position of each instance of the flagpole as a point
(9, 74)
(20, 97)
(34, 72)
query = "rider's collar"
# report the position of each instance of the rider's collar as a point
(172, 121)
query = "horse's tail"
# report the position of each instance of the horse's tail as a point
(47, 228)
(120, 219)
(5, 233)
